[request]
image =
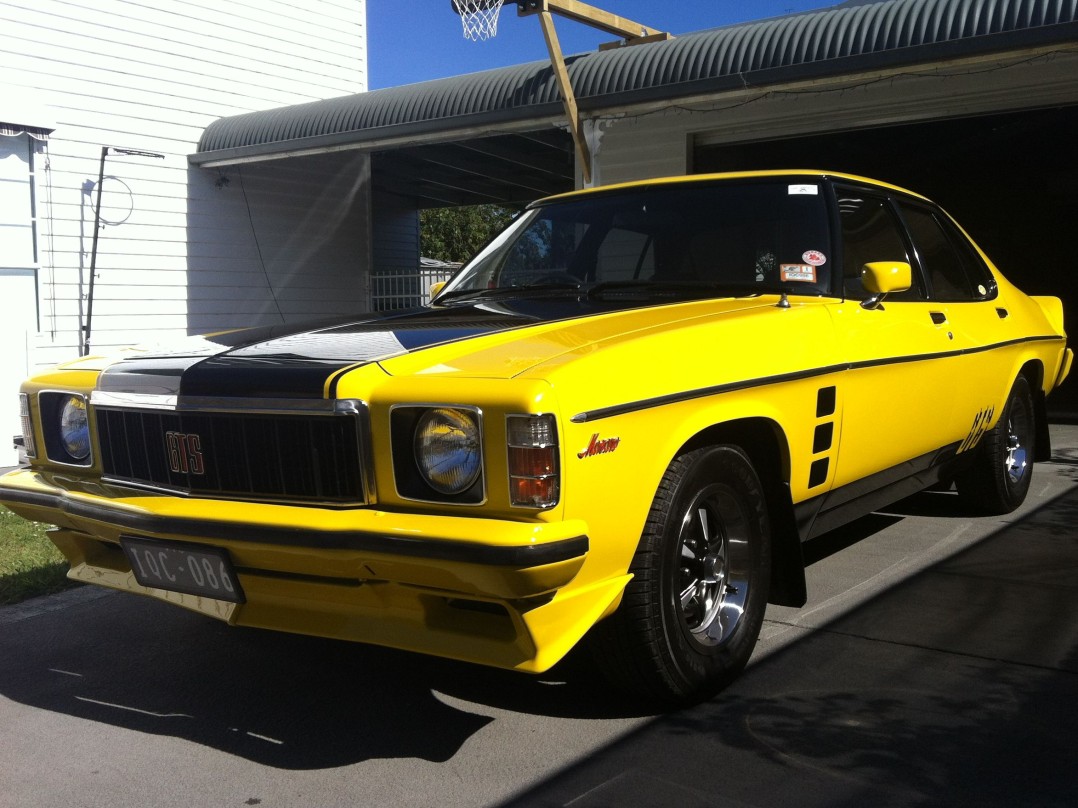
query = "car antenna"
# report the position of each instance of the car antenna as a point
(784, 302)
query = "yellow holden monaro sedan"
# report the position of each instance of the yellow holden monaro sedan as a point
(621, 419)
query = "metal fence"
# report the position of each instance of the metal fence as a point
(402, 290)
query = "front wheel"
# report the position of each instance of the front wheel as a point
(999, 478)
(690, 617)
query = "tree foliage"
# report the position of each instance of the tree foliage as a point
(456, 234)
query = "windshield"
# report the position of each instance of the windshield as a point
(730, 238)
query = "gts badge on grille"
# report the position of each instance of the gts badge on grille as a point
(184, 452)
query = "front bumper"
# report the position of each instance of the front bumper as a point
(488, 591)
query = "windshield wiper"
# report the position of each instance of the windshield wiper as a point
(690, 288)
(505, 291)
(597, 291)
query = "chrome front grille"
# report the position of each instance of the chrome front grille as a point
(261, 456)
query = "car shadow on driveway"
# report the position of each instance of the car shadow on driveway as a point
(964, 677)
(958, 686)
(286, 701)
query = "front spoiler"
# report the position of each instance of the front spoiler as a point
(483, 590)
(523, 549)
(467, 540)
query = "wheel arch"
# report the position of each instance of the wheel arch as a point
(764, 441)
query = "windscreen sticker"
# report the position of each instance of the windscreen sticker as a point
(804, 190)
(814, 258)
(798, 272)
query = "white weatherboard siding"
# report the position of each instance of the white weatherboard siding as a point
(643, 147)
(184, 249)
(661, 141)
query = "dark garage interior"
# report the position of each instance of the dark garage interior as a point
(1009, 179)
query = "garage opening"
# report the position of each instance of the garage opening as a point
(1010, 180)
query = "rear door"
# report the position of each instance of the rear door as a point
(963, 292)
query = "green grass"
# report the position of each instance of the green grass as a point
(29, 563)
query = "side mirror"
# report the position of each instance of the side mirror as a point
(881, 278)
(435, 288)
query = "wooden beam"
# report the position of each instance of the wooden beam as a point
(632, 33)
(561, 74)
(589, 15)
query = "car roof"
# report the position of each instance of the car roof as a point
(704, 179)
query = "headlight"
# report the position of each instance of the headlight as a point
(75, 428)
(447, 449)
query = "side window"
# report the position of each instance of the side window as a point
(870, 232)
(981, 278)
(947, 276)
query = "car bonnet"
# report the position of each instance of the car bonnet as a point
(486, 339)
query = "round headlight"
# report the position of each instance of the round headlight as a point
(447, 450)
(75, 428)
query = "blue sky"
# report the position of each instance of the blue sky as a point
(417, 40)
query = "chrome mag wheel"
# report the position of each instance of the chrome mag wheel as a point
(713, 576)
(1019, 437)
(691, 613)
(999, 472)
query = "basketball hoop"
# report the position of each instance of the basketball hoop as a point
(479, 17)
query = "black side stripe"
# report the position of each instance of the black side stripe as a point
(764, 381)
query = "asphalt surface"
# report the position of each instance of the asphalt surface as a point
(936, 663)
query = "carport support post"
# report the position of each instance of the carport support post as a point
(557, 61)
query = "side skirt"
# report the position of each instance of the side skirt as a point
(843, 505)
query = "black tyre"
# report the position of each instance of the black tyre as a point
(999, 478)
(691, 615)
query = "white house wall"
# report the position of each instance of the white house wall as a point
(186, 249)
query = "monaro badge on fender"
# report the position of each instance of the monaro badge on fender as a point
(184, 453)
(598, 447)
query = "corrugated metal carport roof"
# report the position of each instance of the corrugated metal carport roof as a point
(848, 38)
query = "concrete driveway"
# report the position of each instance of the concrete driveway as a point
(936, 663)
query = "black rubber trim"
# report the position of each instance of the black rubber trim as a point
(840, 506)
(525, 556)
(747, 384)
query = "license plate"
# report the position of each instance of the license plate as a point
(189, 568)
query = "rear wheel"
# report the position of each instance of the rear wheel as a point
(691, 615)
(999, 478)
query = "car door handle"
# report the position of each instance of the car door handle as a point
(938, 317)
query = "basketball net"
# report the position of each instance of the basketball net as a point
(479, 17)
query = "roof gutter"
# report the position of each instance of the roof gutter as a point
(388, 137)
